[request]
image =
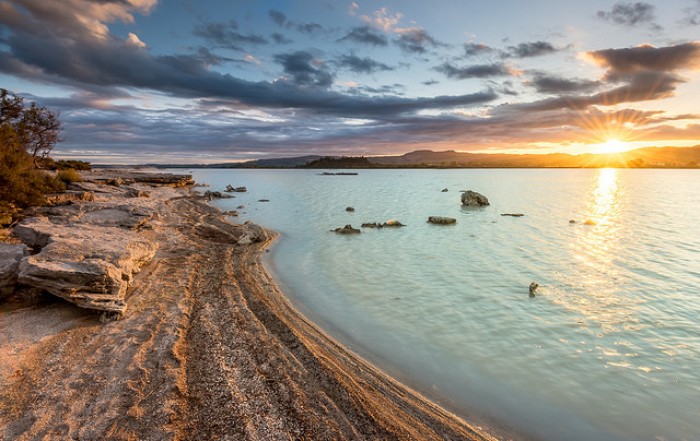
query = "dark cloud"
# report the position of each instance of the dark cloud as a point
(545, 83)
(361, 65)
(416, 41)
(281, 19)
(365, 35)
(631, 14)
(280, 39)
(646, 57)
(692, 15)
(430, 82)
(473, 49)
(225, 35)
(304, 69)
(278, 17)
(476, 71)
(532, 49)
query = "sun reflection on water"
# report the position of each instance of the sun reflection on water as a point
(594, 286)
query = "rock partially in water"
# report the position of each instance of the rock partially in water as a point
(445, 190)
(10, 257)
(349, 209)
(388, 224)
(441, 220)
(473, 199)
(513, 214)
(572, 221)
(217, 195)
(533, 288)
(263, 200)
(252, 233)
(231, 189)
(348, 229)
(230, 213)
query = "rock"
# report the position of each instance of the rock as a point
(338, 174)
(263, 200)
(589, 222)
(231, 189)
(88, 265)
(69, 197)
(513, 214)
(116, 182)
(389, 223)
(136, 193)
(533, 288)
(350, 209)
(445, 190)
(474, 199)
(230, 213)
(348, 229)
(240, 207)
(572, 221)
(5, 218)
(252, 233)
(440, 220)
(217, 195)
(10, 257)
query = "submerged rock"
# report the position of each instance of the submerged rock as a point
(441, 220)
(474, 199)
(348, 229)
(533, 288)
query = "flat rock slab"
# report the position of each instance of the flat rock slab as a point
(88, 265)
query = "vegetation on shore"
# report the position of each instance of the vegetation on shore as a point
(28, 134)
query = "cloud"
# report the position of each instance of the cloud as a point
(383, 19)
(365, 35)
(361, 65)
(304, 69)
(476, 71)
(280, 39)
(473, 49)
(546, 83)
(134, 40)
(226, 35)
(631, 14)
(416, 40)
(532, 49)
(281, 19)
(692, 15)
(647, 57)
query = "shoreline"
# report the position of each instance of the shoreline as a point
(210, 347)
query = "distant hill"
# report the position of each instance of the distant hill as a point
(281, 162)
(646, 157)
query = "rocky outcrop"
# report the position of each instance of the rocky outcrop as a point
(441, 220)
(474, 199)
(348, 229)
(10, 257)
(89, 265)
(69, 197)
(252, 233)
(389, 224)
(217, 195)
(230, 189)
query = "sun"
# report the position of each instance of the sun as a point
(612, 146)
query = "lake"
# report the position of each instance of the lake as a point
(608, 349)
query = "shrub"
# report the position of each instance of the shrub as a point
(68, 176)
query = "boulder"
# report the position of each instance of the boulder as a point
(441, 220)
(348, 229)
(533, 289)
(445, 190)
(389, 223)
(231, 189)
(252, 233)
(10, 257)
(474, 199)
(217, 195)
(263, 200)
(349, 209)
(90, 266)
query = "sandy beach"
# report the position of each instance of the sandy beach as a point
(209, 348)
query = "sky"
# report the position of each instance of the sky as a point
(185, 81)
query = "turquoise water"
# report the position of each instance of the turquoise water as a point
(609, 349)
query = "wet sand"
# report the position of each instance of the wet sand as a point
(210, 348)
